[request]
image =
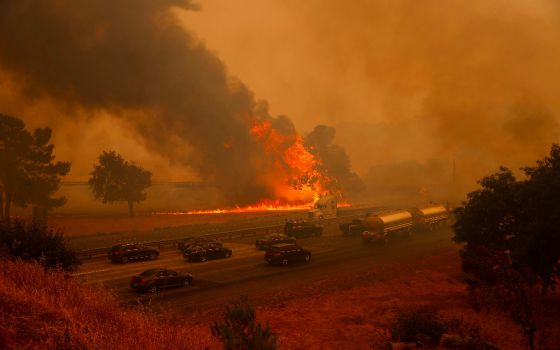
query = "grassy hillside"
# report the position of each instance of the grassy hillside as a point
(41, 310)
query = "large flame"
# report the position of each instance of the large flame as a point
(294, 179)
(294, 176)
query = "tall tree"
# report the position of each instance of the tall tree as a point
(116, 180)
(28, 173)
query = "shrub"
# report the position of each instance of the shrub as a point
(465, 336)
(418, 326)
(31, 241)
(239, 329)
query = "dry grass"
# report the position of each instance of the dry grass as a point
(358, 316)
(45, 310)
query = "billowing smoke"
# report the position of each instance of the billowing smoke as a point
(333, 161)
(404, 79)
(132, 59)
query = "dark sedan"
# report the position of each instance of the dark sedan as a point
(284, 254)
(270, 240)
(157, 279)
(192, 242)
(206, 253)
(124, 253)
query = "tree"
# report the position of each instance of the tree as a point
(28, 173)
(115, 180)
(239, 331)
(512, 246)
(333, 161)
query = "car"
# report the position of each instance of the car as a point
(157, 279)
(190, 242)
(276, 238)
(124, 253)
(206, 253)
(284, 254)
(302, 229)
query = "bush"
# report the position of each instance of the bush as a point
(422, 326)
(465, 336)
(239, 330)
(31, 241)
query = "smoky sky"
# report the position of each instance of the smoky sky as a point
(404, 79)
(133, 59)
(473, 82)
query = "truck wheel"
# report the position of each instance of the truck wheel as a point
(186, 282)
(307, 258)
(124, 259)
(203, 258)
(153, 256)
(152, 289)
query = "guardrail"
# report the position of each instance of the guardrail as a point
(223, 236)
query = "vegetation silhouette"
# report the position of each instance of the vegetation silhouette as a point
(512, 246)
(239, 330)
(28, 173)
(115, 180)
(35, 242)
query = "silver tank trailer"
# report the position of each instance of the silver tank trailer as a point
(380, 227)
(429, 218)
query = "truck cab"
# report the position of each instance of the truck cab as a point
(324, 208)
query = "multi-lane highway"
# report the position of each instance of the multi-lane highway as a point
(246, 272)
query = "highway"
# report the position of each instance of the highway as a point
(217, 281)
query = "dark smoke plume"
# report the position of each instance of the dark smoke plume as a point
(133, 59)
(333, 161)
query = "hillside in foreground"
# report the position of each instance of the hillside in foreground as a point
(41, 310)
(47, 310)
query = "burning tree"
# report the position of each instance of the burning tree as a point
(115, 179)
(28, 174)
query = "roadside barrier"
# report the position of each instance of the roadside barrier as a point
(221, 236)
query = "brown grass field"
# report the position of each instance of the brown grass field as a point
(79, 225)
(40, 310)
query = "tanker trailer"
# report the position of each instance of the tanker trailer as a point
(379, 228)
(429, 218)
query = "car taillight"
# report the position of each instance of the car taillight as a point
(116, 252)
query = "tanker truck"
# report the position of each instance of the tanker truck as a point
(379, 228)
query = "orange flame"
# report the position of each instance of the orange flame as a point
(293, 177)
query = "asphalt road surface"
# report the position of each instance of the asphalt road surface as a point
(246, 272)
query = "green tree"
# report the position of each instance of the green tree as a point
(116, 180)
(28, 173)
(239, 331)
